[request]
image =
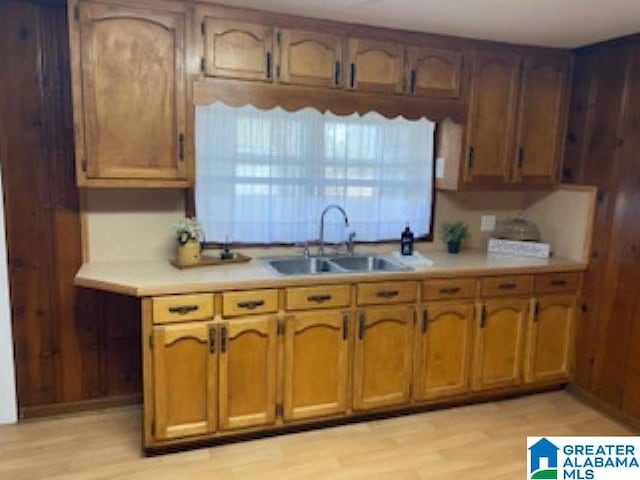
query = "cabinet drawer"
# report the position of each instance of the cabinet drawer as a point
(386, 292)
(507, 285)
(557, 282)
(305, 298)
(449, 288)
(182, 308)
(249, 302)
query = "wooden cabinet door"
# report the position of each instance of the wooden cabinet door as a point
(133, 93)
(247, 372)
(550, 338)
(541, 120)
(490, 125)
(499, 343)
(382, 357)
(443, 350)
(434, 72)
(235, 49)
(376, 66)
(316, 364)
(310, 58)
(184, 379)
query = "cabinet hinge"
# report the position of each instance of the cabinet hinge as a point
(76, 12)
(282, 327)
(278, 71)
(153, 429)
(203, 28)
(279, 410)
(151, 342)
(202, 64)
(84, 164)
(278, 38)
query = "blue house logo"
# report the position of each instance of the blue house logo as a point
(543, 457)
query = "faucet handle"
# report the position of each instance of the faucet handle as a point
(305, 248)
(350, 244)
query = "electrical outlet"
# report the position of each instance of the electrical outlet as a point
(487, 223)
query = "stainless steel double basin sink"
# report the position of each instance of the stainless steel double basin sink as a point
(289, 266)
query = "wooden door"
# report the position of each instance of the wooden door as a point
(316, 364)
(499, 343)
(382, 361)
(443, 350)
(310, 58)
(490, 125)
(133, 93)
(247, 372)
(541, 120)
(184, 379)
(235, 49)
(376, 66)
(550, 338)
(434, 72)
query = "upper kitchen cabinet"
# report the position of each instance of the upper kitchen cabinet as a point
(492, 113)
(434, 72)
(310, 58)
(130, 107)
(236, 49)
(541, 119)
(376, 66)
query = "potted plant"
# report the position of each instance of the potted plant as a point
(189, 233)
(453, 234)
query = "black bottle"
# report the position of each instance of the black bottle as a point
(406, 241)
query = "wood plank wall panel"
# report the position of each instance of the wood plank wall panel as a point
(603, 141)
(71, 345)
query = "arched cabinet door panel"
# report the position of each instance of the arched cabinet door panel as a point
(434, 72)
(376, 66)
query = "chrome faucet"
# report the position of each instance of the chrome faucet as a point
(346, 224)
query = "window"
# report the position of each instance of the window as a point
(265, 176)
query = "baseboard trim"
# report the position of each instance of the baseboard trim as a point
(66, 408)
(605, 408)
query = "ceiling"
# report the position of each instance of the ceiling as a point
(553, 23)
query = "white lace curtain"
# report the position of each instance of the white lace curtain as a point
(265, 176)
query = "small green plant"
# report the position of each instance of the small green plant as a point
(454, 232)
(188, 229)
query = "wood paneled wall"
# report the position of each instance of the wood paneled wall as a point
(603, 150)
(68, 348)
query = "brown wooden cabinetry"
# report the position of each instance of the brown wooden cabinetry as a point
(247, 372)
(316, 364)
(128, 133)
(499, 345)
(376, 66)
(310, 58)
(237, 49)
(185, 379)
(434, 72)
(382, 357)
(443, 350)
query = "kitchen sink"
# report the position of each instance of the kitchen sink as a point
(342, 264)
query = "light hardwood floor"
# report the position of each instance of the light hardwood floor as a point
(466, 443)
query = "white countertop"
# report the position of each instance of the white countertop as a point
(159, 277)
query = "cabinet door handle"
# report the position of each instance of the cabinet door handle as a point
(520, 157)
(251, 304)
(387, 293)
(336, 74)
(183, 309)
(412, 81)
(323, 297)
(558, 283)
(483, 316)
(352, 76)
(345, 327)
(361, 326)
(269, 65)
(223, 339)
(450, 290)
(181, 146)
(471, 157)
(507, 286)
(536, 311)
(212, 339)
(425, 321)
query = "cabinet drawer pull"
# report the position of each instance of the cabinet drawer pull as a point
(387, 293)
(223, 339)
(250, 304)
(425, 321)
(345, 327)
(450, 290)
(507, 286)
(483, 316)
(558, 283)
(212, 339)
(184, 309)
(361, 326)
(319, 298)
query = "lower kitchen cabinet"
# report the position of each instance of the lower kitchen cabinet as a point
(184, 375)
(499, 343)
(443, 350)
(316, 364)
(382, 357)
(550, 338)
(247, 376)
